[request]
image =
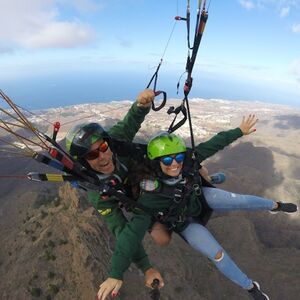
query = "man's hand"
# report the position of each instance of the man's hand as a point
(247, 124)
(110, 286)
(145, 98)
(152, 274)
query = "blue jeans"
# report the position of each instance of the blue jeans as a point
(220, 200)
(199, 238)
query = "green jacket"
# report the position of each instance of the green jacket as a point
(133, 233)
(108, 207)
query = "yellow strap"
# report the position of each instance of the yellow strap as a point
(55, 177)
(104, 212)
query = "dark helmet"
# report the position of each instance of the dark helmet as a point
(80, 138)
(165, 144)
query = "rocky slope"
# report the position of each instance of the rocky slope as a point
(54, 245)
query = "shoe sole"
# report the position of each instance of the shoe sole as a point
(285, 212)
(280, 211)
(267, 297)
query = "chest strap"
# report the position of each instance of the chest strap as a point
(180, 196)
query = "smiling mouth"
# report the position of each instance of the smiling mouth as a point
(174, 169)
(101, 166)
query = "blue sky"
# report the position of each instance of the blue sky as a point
(71, 51)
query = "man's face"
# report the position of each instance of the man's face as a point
(101, 161)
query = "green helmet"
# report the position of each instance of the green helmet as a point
(80, 138)
(165, 144)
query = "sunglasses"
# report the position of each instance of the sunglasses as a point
(95, 153)
(168, 160)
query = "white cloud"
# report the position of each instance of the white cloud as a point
(296, 28)
(37, 24)
(284, 11)
(247, 4)
(58, 35)
(283, 7)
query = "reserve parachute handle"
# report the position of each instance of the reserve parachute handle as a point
(56, 127)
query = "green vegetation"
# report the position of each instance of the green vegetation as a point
(62, 241)
(38, 224)
(51, 244)
(51, 274)
(44, 214)
(53, 288)
(49, 256)
(35, 292)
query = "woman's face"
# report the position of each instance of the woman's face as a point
(173, 169)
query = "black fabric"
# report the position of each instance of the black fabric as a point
(124, 148)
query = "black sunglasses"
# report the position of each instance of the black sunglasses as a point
(95, 153)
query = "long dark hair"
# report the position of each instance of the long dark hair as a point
(148, 169)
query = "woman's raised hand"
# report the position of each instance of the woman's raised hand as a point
(247, 124)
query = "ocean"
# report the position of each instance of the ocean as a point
(71, 89)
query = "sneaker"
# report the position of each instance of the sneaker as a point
(256, 293)
(285, 207)
(217, 178)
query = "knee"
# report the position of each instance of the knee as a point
(161, 240)
(219, 256)
(160, 234)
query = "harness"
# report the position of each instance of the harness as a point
(179, 194)
(180, 191)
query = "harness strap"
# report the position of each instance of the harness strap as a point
(176, 111)
(180, 198)
(127, 202)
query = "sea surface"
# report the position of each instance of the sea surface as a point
(70, 89)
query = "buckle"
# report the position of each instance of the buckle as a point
(197, 189)
(180, 219)
(160, 216)
(177, 195)
(177, 199)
